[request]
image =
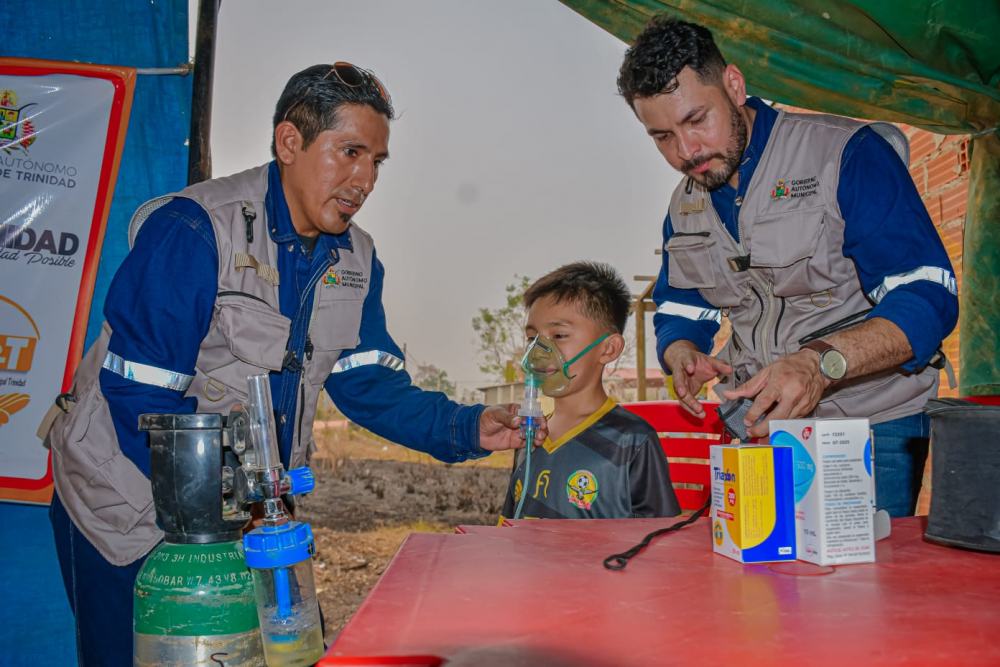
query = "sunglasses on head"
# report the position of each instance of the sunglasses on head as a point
(351, 76)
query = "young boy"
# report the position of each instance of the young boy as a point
(600, 461)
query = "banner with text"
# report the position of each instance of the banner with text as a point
(62, 128)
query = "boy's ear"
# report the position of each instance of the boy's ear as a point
(612, 348)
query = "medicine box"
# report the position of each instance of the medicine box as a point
(834, 489)
(753, 518)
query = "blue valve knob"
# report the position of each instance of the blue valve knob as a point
(300, 480)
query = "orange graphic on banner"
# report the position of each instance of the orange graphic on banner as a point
(16, 353)
(11, 403)
(18, 337)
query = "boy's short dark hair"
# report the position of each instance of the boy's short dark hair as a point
(313, 97)
(598, 289)
(661, 51)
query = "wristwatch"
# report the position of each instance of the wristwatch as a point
(832, 362)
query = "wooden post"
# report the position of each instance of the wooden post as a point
(640, 349)
(640, 307)
(979, 351)
(200, 145)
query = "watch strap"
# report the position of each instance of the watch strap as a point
(818, 346)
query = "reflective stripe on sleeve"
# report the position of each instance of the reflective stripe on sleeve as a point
(934, 274)
(370, 358)
(689, 312)
(143, 374)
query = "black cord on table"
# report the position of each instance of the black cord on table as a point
(619, 561)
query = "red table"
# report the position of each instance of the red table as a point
(537, 594)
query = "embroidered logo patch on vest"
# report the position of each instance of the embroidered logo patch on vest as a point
(581, 489)
(795, 188)
(780, 191)
(352, 279)
(345, 278)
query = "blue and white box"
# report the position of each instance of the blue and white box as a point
(834, 488)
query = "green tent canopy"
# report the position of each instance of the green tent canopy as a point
(934, 65)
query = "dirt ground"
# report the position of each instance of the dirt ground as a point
(370, 495)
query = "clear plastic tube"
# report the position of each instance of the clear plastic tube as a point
(531, 408)
(531, 416)
(263, 433)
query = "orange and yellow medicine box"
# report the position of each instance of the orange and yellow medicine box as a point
(753, 503)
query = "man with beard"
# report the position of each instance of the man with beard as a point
(261, 272)
(807, 232)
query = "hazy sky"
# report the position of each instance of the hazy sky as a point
(511, 154)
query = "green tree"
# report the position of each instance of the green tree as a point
(501, 331)
(431, 377)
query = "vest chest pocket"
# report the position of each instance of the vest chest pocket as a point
(255, 332)
(690, 261)
(782, 240)
(804, 253)
(336, 327)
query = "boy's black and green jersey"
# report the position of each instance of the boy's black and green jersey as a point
(611, 466)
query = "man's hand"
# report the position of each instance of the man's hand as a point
(691, 369)
(793, 385)
(500, 428)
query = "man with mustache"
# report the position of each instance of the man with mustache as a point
(807, 232)
(264, 271)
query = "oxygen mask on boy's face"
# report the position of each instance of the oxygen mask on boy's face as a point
(545, 361)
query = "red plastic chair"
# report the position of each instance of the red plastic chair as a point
(676, 428)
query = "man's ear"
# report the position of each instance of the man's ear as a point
(734, 84)
(287, 141)
(611, 348)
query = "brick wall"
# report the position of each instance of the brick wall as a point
(939, 166)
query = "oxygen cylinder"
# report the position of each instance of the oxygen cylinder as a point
(194, 596)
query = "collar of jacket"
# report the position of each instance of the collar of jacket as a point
(762, 125)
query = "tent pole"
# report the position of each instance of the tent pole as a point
(979, 351)
(200, 149)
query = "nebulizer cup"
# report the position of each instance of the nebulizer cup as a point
(286, 602)
(279, 553)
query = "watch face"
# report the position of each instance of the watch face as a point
(834, 364)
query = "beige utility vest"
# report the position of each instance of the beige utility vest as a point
(796, 280)
(107, 496)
